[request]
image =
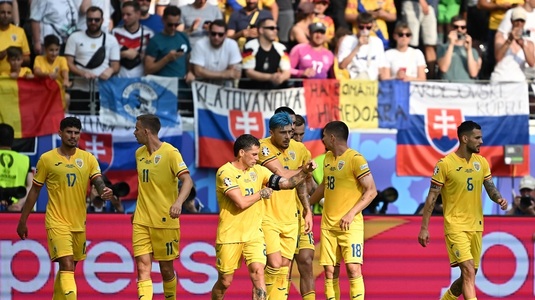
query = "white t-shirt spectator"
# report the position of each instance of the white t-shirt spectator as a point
(133, 40)
(57, 17)
(107, 10)
(367, 62)
(411, 59)
(215, 59)
(506, 25)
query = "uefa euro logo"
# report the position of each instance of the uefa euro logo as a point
(441, 128)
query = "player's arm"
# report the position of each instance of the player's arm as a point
(317, 195)
(105, 192)
(434, 192)
(311, 184)
(277, 182)
(370, 192)
(302, 194)
(275, 166)
(22, 229)
(243, 202)
(185, 190)
(494, 194)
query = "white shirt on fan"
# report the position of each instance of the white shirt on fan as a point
(369, 59)
(411, 59)
(132, 41)
(215, 59)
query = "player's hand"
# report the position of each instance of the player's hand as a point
(107, 194)
(309, 223)
(175, 210)
(265, 193)
(310, 166)
(22, 230)
(502, 203)
(423, 237)
(346, 221)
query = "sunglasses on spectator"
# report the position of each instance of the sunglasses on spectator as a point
(459, 26)
(172, 24)
(361, 27)
(402, 34)
(219, 34)
(271, 27)
(95, 20)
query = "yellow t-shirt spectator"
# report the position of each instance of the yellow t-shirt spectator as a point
(13, 36)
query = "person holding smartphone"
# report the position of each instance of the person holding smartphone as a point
(457, 59)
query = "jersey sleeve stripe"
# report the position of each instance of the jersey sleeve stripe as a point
(94, 176)
(434, 181)
(272, 158)
(230, 188)
(183, 171)
(488, 177)
(363, 174)
(38, 183)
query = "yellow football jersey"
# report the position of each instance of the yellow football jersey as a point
(237, 225)
(158, 185)
(59, 65)
(67, 181)
(13, 36)
(342, 188)
(281, 208)
(462, 183)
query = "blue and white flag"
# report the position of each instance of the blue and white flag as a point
(123, 99)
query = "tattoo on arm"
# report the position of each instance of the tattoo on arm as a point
(302, 194)
(259, 294)
(99, 185)
(492, 191)
(433, 199)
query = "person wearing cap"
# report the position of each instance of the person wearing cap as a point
(514, 50)
(312, 60)
(383, 11)
(524, 204)
(320, 6)
(457, 59)
(404, 62)
(299, 33)
(363, 55)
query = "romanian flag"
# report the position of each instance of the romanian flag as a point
(33, 107)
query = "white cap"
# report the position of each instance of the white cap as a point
(518, 13)
(527, 182)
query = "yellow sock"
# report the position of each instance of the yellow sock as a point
(336, 287)
(309, 296)
(68, 285)
(282, 284)
(144, 289)
(356, 288)
(270, 276)
(329, 289)
(473, 299)
(448, 296)
(169, 289)
(58, 292)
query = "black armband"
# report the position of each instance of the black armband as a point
(273, 182)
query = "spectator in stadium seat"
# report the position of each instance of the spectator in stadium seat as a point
(320, 6)
(422, 20)
(265, 61)
(513, 51)
(152, 21)
(404, 62)
(299, 33)
(196, 17)
(11, 35)
(107, 11)
(524, 204)
(457, 59)
(312, 60)
(243, 24)
(382, 12)
(216, 59)
(56, 17)
(91, 54)
(167, 52)
(14, 58)
(363, 55)
(16, 13)
(133, 39)
(98, 205)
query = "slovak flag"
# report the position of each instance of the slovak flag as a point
(437, 109)
(115, 147)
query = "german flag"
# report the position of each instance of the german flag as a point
(33, 107)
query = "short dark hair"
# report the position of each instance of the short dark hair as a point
(219, 23)
(245, 142)
(70, 122)
(13, 51)
(171, 10)
(467, 127)
(134, 4)
(51, 40)
(285, 109)
(365, 18)
(299, 120)
(456, 19)
(7, 135)
(337, 128)
(263, 21)
(401, 25)
(94, 9)
(150, 122)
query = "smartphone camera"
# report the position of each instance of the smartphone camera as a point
(461, 36)
(526, 33)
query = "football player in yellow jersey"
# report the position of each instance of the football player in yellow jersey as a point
(66, 171)
(284, 157)
(459, 177)
(304, 253)
(348, 188)
(239, 193)
(156, 228)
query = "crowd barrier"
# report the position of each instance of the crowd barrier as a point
(395, 265)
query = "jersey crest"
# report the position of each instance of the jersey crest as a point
(341, 165)
(441, 128)
(253, 176)
(243, 122)
(79, 162)
(477, 166)
(157, 159)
